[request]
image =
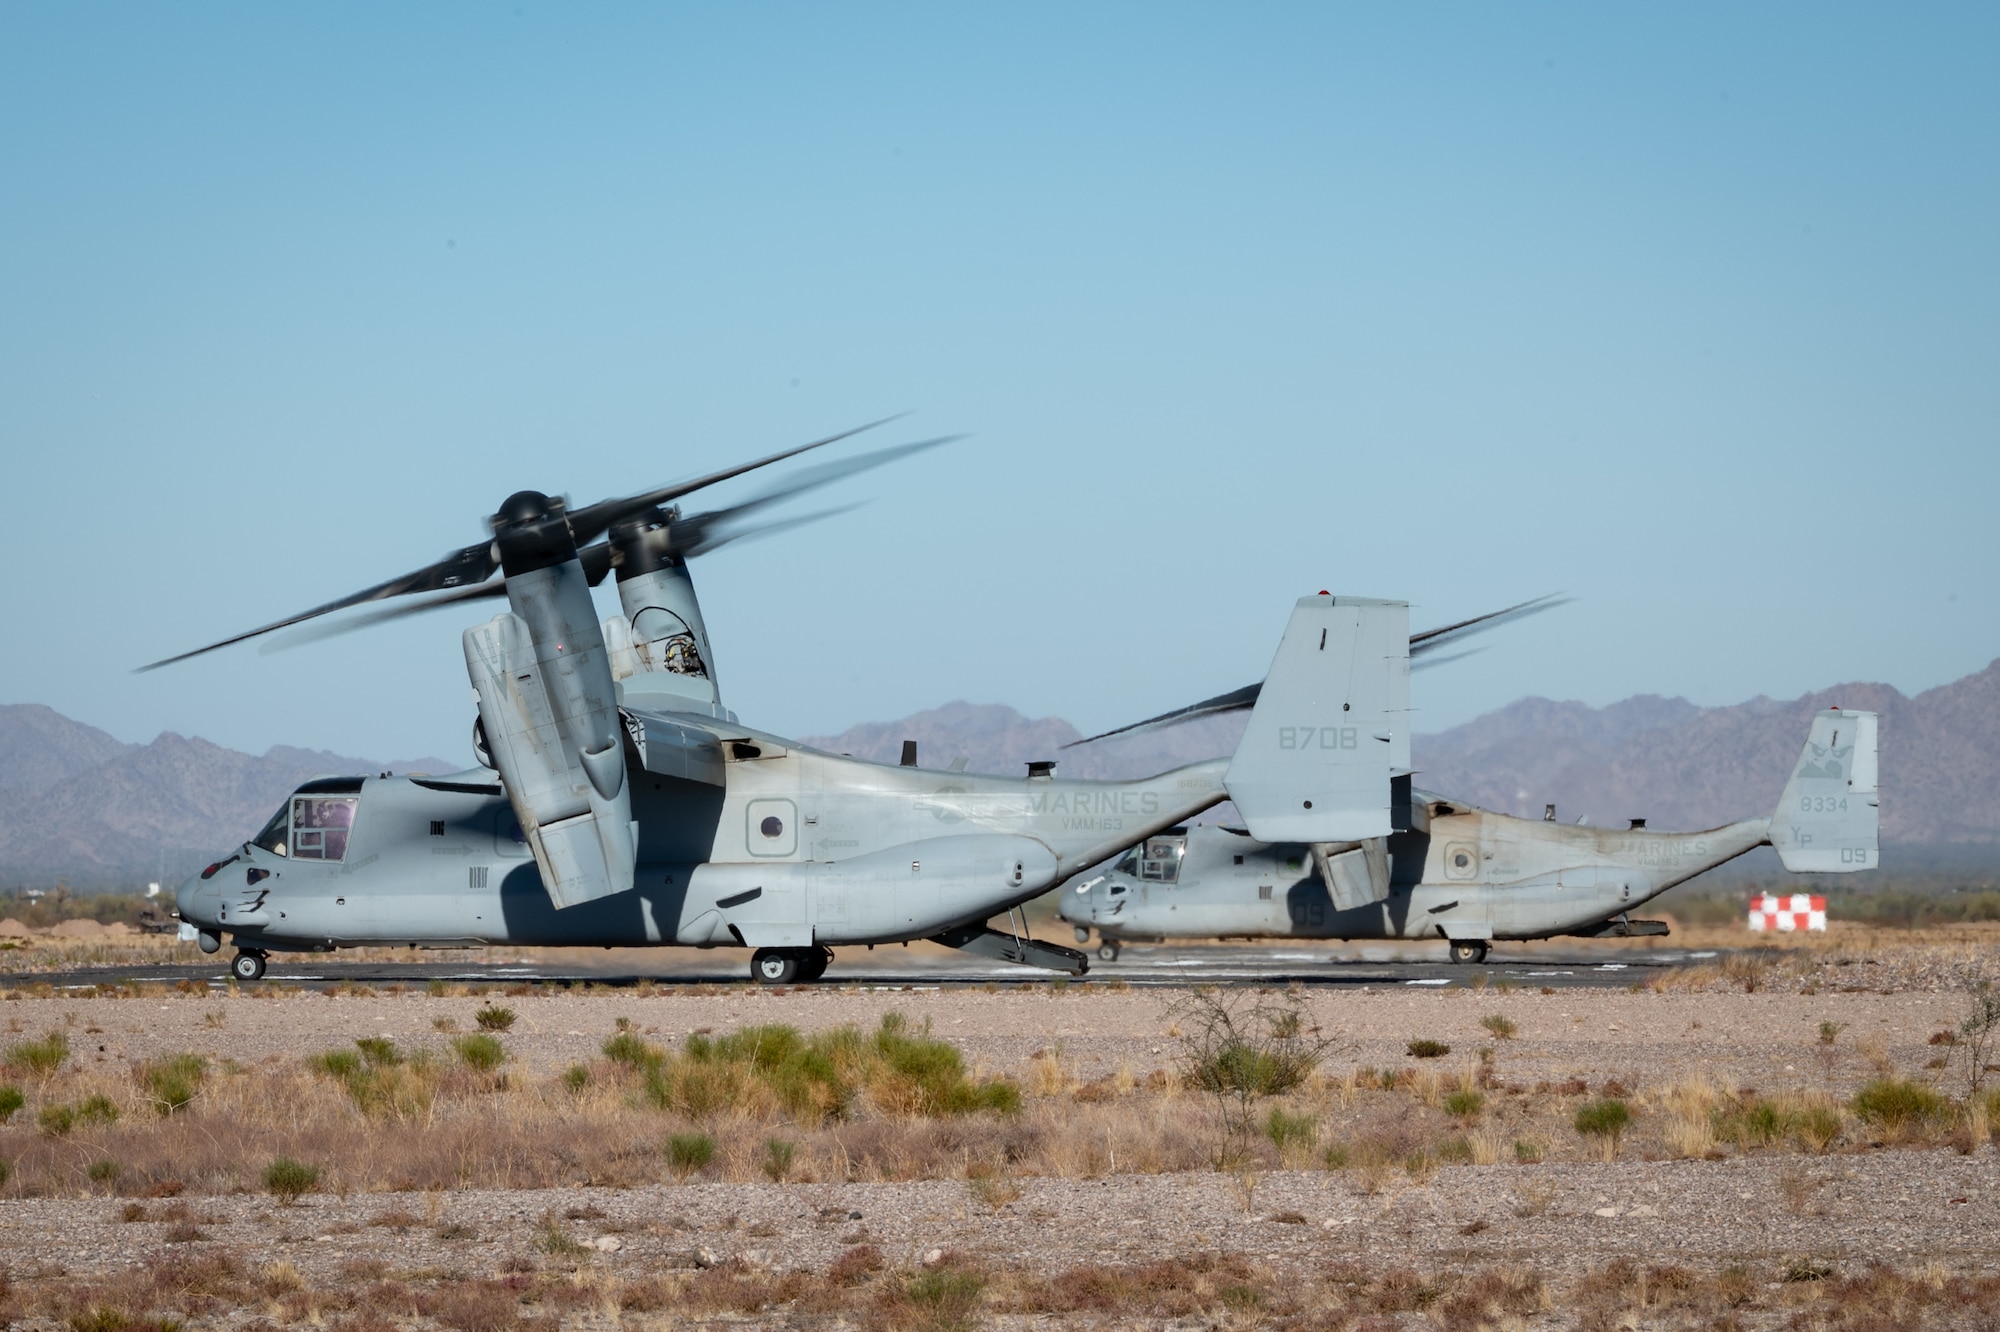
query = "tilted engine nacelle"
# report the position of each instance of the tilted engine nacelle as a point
(550, 715)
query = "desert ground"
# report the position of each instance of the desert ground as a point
(1798, 1136)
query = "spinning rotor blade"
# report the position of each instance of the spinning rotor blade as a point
(316, 632)
(1237, 700)
(686, 537)
(700, 533)
(597, 564)
(592, 521)
(474, 565)
(1432, 639)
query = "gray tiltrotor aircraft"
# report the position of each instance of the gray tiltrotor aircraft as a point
(619, 803)
(1469, 876)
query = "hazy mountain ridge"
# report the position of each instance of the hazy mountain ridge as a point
(994, 738)
(78, 805)
(1669, 761)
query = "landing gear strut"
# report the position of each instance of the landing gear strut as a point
(784, 966)
(248, 965)
(1471, 951)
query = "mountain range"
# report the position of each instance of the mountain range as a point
(80, 806)
(1669, 761)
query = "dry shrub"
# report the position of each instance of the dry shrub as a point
(940, 1298)
(1181, 1287)
(1486, 1147)
(1691, 1106)
(1902, 1110)
(478, 1306)
(775, 1070)
(1489, 1297)
(856, 1265)
(1750, 968)
(1049, 1075)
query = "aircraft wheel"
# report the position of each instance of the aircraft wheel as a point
(775, 966)
(1472, 951)
(814, 964)
(247, 966)
(1108, 951)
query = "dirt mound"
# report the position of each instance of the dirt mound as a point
(77, 929)
(13, 929)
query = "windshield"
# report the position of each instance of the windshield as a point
(273, 837)
(1160, 859)
(320, 826)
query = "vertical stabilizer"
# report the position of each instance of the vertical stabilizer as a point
(1827, 819)
(1331, 725)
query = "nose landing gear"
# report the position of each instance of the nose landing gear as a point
(248, 965)
(1472, 951)
(1108, 951)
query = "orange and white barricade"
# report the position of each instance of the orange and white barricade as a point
(1798, 911)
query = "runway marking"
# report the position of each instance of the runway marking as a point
(1441, 980)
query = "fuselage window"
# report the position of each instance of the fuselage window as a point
(1129, 865)
(273, 838)
(321, 826)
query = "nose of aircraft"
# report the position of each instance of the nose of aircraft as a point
(197, 901)
(1077, 906)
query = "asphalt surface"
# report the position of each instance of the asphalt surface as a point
(1164, 965)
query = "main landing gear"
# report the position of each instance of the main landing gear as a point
(1108, 951)
(788, 966)
(248, 965)
(1471, 951)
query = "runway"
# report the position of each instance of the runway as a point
(1164, 965)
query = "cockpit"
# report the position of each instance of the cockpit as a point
(1157, 859)
(316, 822)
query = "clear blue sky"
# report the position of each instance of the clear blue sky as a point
(1693, 313)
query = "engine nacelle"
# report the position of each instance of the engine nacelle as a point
(559, 750)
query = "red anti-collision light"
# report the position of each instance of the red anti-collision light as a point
(209, 873)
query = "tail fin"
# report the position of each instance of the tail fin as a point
(1826, 820)
(1331, 725)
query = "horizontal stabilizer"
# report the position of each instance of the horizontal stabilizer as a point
(1331, 725)
(1828, 817)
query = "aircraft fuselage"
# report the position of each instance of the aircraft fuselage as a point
(1459, 873)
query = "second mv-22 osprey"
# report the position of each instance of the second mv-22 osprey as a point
(619, 804)
(1449, 871)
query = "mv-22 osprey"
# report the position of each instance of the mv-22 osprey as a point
(1453, 872)
(619, 804)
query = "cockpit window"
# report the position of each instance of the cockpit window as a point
(321, 826)
(273, 837)
(1130, 864)
(1160, 859)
